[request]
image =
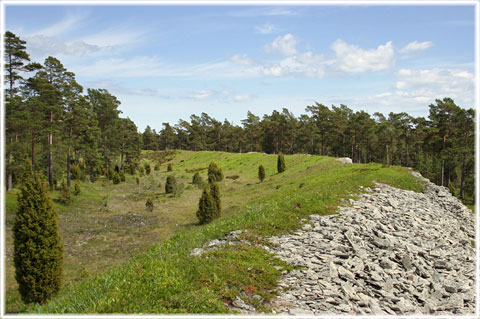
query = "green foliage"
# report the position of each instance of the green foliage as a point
(38, 250)
(197, 180)
(214, 170)
(110, 173)
(132, 169)
(138, 180)
(141, 170)
(77, 172)
(281, 163)
(207, 208)
(169, 167)
(148, 169)
(65, 195)
(215, 192)
(170, 184)
(122, 176)
(117, 168)
(211, 178)
(116, 178)
(76, 189)
(149, 205)
(261, 173)
(157, 167)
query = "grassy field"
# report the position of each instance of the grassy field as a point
(121, 258)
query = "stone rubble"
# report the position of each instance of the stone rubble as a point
(389, 252)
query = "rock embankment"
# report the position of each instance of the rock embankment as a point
(390, 252)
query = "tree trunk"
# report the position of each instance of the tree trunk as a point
(50, 154)
(122, 167)
(10, 158)
(68, 158)
(443, 170)
(462, 181)
(388, 163)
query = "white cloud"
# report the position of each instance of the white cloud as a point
(41, 45)
(352, 58)
(283, 45)
(241, 59)
(266, 28)
(115, 37)
(203, 95)
(416, 46)
(241, 97)
(68, 23)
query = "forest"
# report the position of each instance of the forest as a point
(56, 125)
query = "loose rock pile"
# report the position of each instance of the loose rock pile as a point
(389, 252)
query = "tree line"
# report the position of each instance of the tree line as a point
(441, 147)
(50, 121)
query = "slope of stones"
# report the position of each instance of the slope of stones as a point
(389, 252)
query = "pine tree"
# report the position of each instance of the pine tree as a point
(207, 209)
(170, 185)
(261, 173)
(38, 250)
(281, 163)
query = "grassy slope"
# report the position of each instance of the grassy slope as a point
(165, 279)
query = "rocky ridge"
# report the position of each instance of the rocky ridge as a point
(389, 252)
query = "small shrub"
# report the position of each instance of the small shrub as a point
(116, 178)
(216, 171)
(261, 173)
(148, 169)
(138, 180)
(149, 205)
(301, 185)
(117, 168)
(278, 186)
(76, 172)
(122, 176)
(76, 189)
(141, 170)
(207, 209)
(157, 167)
(211, 178)
(281, 163)
(170, 184)
(197, 180)
(169, 167)
(65, 196)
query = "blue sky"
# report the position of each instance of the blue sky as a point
(165, 63)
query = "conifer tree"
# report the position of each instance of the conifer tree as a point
(170, 185)
(261, 173)
(207, 209)
(38, 250)
(149, 205)
(197, 179)
(65, 196)
(148, 169)
(215, 192)
(76, 189)
(215, 171)
(169, 168)
(281, 163)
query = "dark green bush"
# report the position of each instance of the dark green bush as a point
(122, 176)
(138, 180)
(207, 208)
(169, 167)
(110, 173)
(77, 173)
(116, 178)
(148, 169)
(215, 192)
(215, 171)
(157, 167)
(117, 168)
(170, 184)
(197, 180)
(149, 204)
(261, 173)
(76, 189)
(38, 250)
(281, 163)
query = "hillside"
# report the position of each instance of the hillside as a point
(102, 233)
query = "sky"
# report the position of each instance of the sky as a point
(167, 62)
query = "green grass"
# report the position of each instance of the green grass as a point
(164, 278)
